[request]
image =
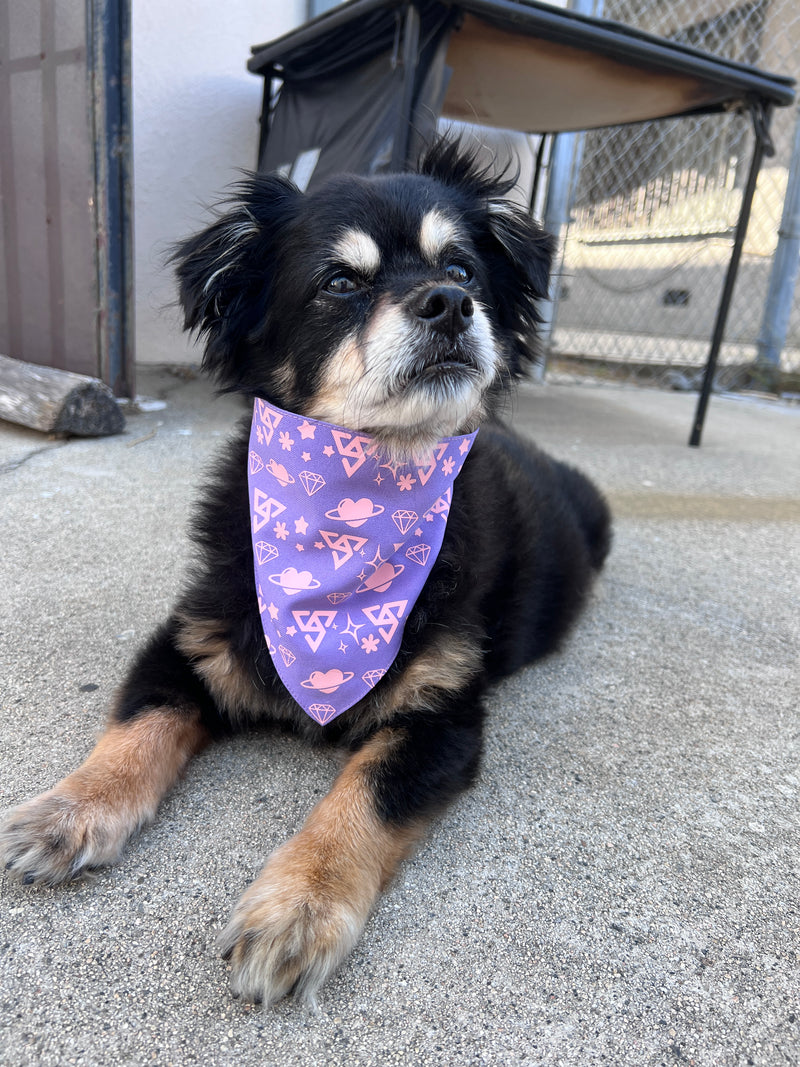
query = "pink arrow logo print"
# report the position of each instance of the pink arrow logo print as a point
(424, 473)
(265, 508)
(351, 448)
(387, 617)
(314, 625)
(268, 419)
(346, 531)
(342, 546)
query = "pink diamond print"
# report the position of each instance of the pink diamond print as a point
(337, 598)
(372, 677)
(322, 712)
(312, 483)
(404, 520)
(265, 552)
(419, 553)
(255, 463)
(287, 655)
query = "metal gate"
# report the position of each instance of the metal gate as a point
(654, 210)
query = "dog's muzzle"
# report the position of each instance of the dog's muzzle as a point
(444, 309)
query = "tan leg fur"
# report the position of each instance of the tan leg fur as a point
(306, 910)
(86, 819)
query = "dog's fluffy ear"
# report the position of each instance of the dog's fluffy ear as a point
(520, 277)
(225, 272)
(517, 252)
(524, 243)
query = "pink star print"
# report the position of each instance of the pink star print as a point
(463, 447)
(306, 430)
(328, 450)
(273, 612)
(300, 525)
(306, 457)
(370, 644)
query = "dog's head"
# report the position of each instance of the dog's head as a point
(398, 306)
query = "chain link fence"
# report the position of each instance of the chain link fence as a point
(654, 208)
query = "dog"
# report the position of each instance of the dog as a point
(395, 311)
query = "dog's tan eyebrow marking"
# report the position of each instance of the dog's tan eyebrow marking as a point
(358, 250)
(437, 233)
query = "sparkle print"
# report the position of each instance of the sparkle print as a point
(342, 582)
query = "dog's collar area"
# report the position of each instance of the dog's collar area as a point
(401, 446)
(292, 415)
(344, 539)
(415, 446)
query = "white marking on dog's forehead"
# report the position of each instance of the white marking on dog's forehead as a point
(358, 250)
(437, 233)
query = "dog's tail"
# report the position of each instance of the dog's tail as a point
(592, 512)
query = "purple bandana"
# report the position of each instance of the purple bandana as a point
(343, 541)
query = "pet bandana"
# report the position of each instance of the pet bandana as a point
(343, 541)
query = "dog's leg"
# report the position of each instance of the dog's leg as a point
(86, 819)
(306, 910)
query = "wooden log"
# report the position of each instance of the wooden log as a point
(57, 401)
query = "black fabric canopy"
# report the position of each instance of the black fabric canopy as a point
(361, 88)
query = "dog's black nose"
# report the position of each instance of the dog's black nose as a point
(446, 309)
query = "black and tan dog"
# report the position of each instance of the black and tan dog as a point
(402, 307)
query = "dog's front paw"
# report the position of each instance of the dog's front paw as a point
(293, 927)
(86, 819)
(57, 836)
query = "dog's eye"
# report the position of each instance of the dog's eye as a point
(341, 284)
(458, 273)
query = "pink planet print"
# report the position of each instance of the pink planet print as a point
(381, 579)
(277, 470)
(355, 512)
(327, 681)
(293, 581)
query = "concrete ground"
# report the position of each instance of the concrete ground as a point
(620, 887)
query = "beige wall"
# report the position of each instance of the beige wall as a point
(196, 112)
